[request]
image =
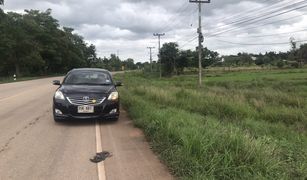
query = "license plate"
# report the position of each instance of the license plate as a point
(85, 109)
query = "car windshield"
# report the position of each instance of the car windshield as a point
(88, 78)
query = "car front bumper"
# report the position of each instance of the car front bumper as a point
(104, 110)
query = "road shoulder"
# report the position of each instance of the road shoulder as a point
(132, 156)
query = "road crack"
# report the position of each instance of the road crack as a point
(31, 123)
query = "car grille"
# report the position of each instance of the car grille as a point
(79, 101)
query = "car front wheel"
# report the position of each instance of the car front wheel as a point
(56, 119)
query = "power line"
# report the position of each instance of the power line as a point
(172, 23)
(263, 12)
(268, 35)
(247, 14)
(174, 17)
(256, 27)
(268, 10)
(257, 20)
(259, 44)
(250, 23)
(224, 19)
(195, 38)
(188, 42)
(256, 17)
(269, 23)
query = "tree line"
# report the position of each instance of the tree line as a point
(294, 58)
(33, 43)
(174, 61)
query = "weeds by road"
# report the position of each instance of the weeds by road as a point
(241, 125)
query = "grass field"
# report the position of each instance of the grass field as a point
(240, 125)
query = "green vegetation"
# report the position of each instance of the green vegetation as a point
(241, 125)
(34, 44)
(174, 61)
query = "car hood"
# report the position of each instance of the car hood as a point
(86, 89)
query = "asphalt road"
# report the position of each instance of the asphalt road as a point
(33, 146)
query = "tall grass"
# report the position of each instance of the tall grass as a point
(239, 126)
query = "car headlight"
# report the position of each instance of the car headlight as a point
(113, 96)
(59, 95)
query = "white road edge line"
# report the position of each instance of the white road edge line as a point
(100, 165)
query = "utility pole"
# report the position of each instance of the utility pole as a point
(200, 38)
(150, 48)
(159, 38)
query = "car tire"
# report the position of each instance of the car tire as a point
(114, 119)
(56, 119)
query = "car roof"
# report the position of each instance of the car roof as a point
(90, 69)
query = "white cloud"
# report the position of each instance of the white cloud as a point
(96, 31)
(127, 25)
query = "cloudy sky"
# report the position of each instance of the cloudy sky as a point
(126, 27)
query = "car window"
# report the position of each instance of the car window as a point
(89, 78)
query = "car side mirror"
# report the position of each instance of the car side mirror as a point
(56, 82)
(118, 84)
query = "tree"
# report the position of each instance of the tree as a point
(50, 39)
(184, 60)
(246, 59)
(169, 54)
(115, 63)
(293, 43)
(129, 64)
(294, 53)
(90, 55)
(231, 60)
(260, 60)
(267, 60)
(302, 53)
(17, 46)
(280, 64)
(33, 43)
(209, 57)
(139, 65)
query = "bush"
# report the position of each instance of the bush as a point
(280, 64)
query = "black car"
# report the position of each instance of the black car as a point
(86, 94)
